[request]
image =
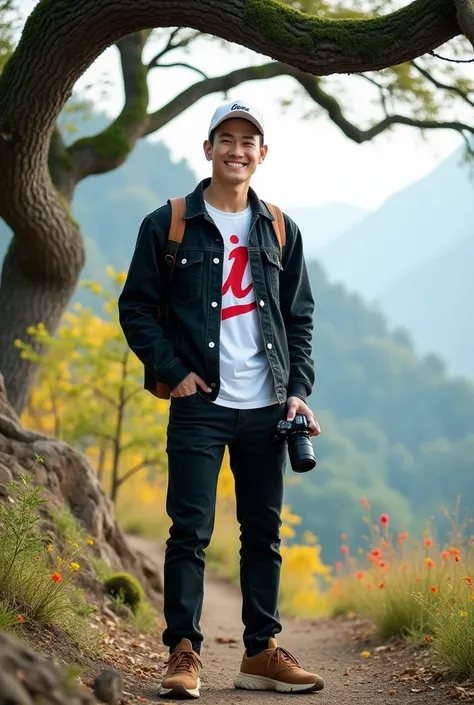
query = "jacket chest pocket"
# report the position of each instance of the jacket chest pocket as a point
(272, 267)
(186, 283)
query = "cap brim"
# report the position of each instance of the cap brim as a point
(239, 114)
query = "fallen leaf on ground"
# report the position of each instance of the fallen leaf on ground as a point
(225, 640)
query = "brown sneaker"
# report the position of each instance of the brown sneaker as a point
(276, 669)
(181, 680)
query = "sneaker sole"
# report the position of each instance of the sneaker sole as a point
(245, 681)
(179, 692)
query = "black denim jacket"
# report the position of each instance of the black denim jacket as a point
(190, 341)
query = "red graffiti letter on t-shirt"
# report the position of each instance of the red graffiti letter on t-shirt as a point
(234, 281)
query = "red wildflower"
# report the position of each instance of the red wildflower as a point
(403, 537)
(369, 586)
(434, 588)
(344, 537)
(417, 580)
(468, 580)
(428, 638)
(376, 552)
(365, 503)
(381, 585)
(56, 577)
(339, 565)
(384, 544)
(384, 520)
(20, 619)
(429, 562)
(457, 559)
(428, 542)
(360, 575)
(382, 564)
(344, 550)
(445, 555)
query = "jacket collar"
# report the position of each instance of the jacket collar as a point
(195, 202)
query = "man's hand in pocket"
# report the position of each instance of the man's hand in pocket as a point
(189, 386)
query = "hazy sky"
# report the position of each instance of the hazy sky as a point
(309, 162)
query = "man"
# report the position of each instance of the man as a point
(236, 356)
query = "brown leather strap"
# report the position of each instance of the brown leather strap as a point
(278, 224)
(178, 206)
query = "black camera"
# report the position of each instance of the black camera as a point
(300, 448)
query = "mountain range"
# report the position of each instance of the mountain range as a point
(413, 258)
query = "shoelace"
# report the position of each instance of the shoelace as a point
(184, 661)
(281, 655)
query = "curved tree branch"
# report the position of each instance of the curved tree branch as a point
(108, 149)
(443, 86)
(170, 46)
(334, 110)
(183, 65)
(319, 46)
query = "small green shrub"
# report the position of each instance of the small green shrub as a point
(126, 586)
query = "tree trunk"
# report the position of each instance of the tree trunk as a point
(29, 297)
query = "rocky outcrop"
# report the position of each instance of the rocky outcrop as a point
(69, 480)
(27, 678)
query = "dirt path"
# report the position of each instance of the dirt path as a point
(331, 647)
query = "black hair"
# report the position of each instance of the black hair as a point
(213, 135)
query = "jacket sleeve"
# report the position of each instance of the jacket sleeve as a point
(297, 307)
(139, 305)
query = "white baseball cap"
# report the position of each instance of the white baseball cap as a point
(237, 109)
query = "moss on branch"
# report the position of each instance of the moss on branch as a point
(366, 38)
(117, 140)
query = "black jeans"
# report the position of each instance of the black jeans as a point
(198, 432)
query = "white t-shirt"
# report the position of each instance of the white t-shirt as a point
(246, 379)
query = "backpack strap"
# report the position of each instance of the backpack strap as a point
(278, 225)
(176, 232)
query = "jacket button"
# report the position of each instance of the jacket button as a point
(184, 260)
(262, 303)
(213, 385)
(269, 346)
(216, 260)
(214, 304)
(212, 345)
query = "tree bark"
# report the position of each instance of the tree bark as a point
(465, 16)
(61, 39)
(30, 295)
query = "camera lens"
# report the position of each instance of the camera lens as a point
(301, 454)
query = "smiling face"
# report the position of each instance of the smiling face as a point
(235, 152)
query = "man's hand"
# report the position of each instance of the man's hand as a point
(297, 406)
(189, 386)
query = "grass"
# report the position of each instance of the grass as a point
(420, 590)
(143, 619)
(8, 618)
(67, 525)
(37, 582)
